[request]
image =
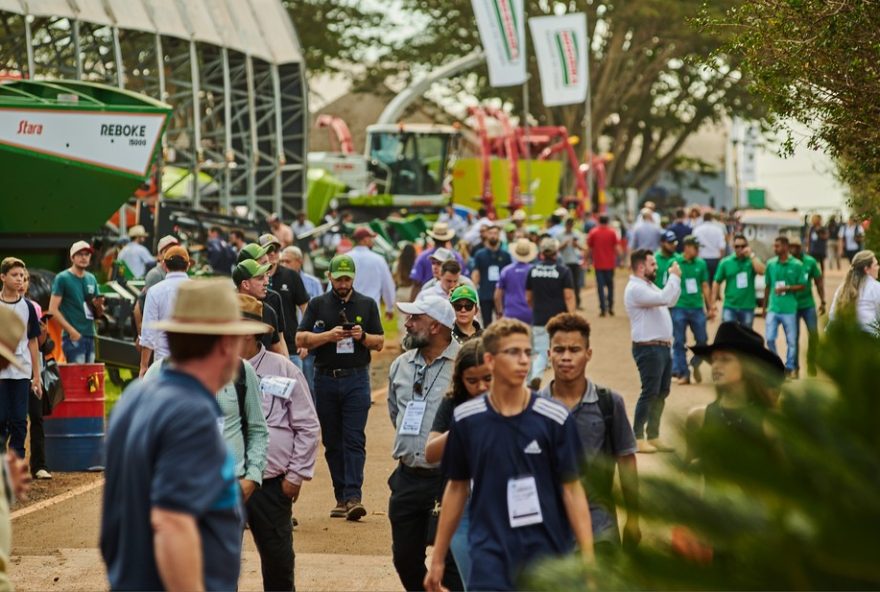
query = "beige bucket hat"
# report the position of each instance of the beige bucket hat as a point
(11, 331)
(208, 307)
(441, 232)
(524, 250)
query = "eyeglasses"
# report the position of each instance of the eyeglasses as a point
(516, 352)
(463, 305)
(419, 380)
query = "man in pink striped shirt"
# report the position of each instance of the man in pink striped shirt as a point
(294, 433)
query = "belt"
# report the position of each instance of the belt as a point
(654, 342)
(339, 372)
(419, 471)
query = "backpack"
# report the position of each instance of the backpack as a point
(600, 473)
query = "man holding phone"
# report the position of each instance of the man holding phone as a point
(75, 303)
(341, 327)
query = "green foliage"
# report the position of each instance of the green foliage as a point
(786, 501)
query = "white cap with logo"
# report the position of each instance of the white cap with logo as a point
(435, 307)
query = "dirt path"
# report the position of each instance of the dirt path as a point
(55, 547)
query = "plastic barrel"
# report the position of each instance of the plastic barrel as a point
(75, 429)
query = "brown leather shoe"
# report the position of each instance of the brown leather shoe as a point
(354, 510)
(339, 511)
(644, 447)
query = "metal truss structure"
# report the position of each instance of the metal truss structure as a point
(232, 70)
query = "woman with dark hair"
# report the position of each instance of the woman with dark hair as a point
(470, 378)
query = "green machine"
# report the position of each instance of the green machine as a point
(71, 154)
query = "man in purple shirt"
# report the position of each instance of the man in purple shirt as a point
(294, 432)
(510, 292)
(421, 271)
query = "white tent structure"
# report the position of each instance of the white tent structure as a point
(232, 70)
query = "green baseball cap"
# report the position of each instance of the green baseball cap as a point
(251, 251)
(464, 293)
(342, 266)
(248, 269)
(691, 240)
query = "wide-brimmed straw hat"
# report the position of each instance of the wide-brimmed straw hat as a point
(441, 232)
(208, 307)
(11, 332)
(734, 337)
(523, 250)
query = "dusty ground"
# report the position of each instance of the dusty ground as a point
(54, 547)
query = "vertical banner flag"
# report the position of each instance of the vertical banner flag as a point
(503, 34)
(560, 44)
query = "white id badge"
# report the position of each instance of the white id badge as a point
(345, 346)
(412, 418)
(523, 505)
(742, 280)
(780, 284)
(494, 273)
(88, 311)
(690, 285)
(277, 386)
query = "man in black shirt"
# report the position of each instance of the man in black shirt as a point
(341, 327)
(289, 285)
(251, 278)
(549, 291)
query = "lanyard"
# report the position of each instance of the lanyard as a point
(424, 392)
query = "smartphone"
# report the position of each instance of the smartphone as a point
(347, 326)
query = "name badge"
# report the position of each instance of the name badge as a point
(742, 280)
(494, 273)
(412, 418)
(523, 504)
(345, 346)
(780, 284)
(277, 386)
(690, 285)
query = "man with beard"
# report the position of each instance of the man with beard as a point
(486, 266)
(75, 299)
(342, 327)
(651, 324)
(418, 380)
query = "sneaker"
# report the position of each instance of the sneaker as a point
(645, 447)
(338, 511)
(602, 313)
(660, 446)
(535, 384)
(698, 376)
(611, 313)
(42, 474)
(683, 380)
(354, 510)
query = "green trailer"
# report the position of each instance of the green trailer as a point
(71, 154)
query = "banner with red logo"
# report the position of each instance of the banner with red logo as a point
(560, 46)
(503, 34)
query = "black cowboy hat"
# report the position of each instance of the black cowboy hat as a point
(732, 336)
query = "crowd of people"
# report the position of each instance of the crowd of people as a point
(241, 380)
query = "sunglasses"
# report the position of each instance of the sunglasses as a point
(463, 305)
(735, 246)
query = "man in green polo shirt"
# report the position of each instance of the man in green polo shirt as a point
(738, 272)
(689, 310)
(784, 278)
(806, 309)
(665, 255)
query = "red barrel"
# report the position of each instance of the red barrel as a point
(75, 429)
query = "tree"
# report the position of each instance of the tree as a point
(653, 82)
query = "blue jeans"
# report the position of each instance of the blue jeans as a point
(343, 405)
(682, 318)
(14, 413)
(789, 322)
(80, 352)
(605, 286)
(460, 547)
(743, 316)
(655, 370)
(308, 369)
(808, 315)
(541, 349)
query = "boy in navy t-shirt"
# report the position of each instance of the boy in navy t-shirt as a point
(521, 453)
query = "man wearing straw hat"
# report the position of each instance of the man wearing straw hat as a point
(172, 515)
(135, 255)
(510, 292)
(442, 235)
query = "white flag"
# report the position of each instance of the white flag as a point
(503, 34)
(560, 44)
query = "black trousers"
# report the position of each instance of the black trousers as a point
(268, 511)
(37, 436)
(409, 510)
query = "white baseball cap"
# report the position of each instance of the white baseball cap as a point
(80, 246)
(435, 307)
(442, 255)
(167, 241)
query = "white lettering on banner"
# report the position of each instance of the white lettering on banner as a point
(122, 142)
(561, 49)
(502, 34)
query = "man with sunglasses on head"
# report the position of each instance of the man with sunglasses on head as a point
(418, 380)
(464, 301)
(738, 272)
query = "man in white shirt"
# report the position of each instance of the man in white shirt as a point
(374, 276)
(713, 243)
(160, 304)
(651, 324)
(135, 255)
(851, 238)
